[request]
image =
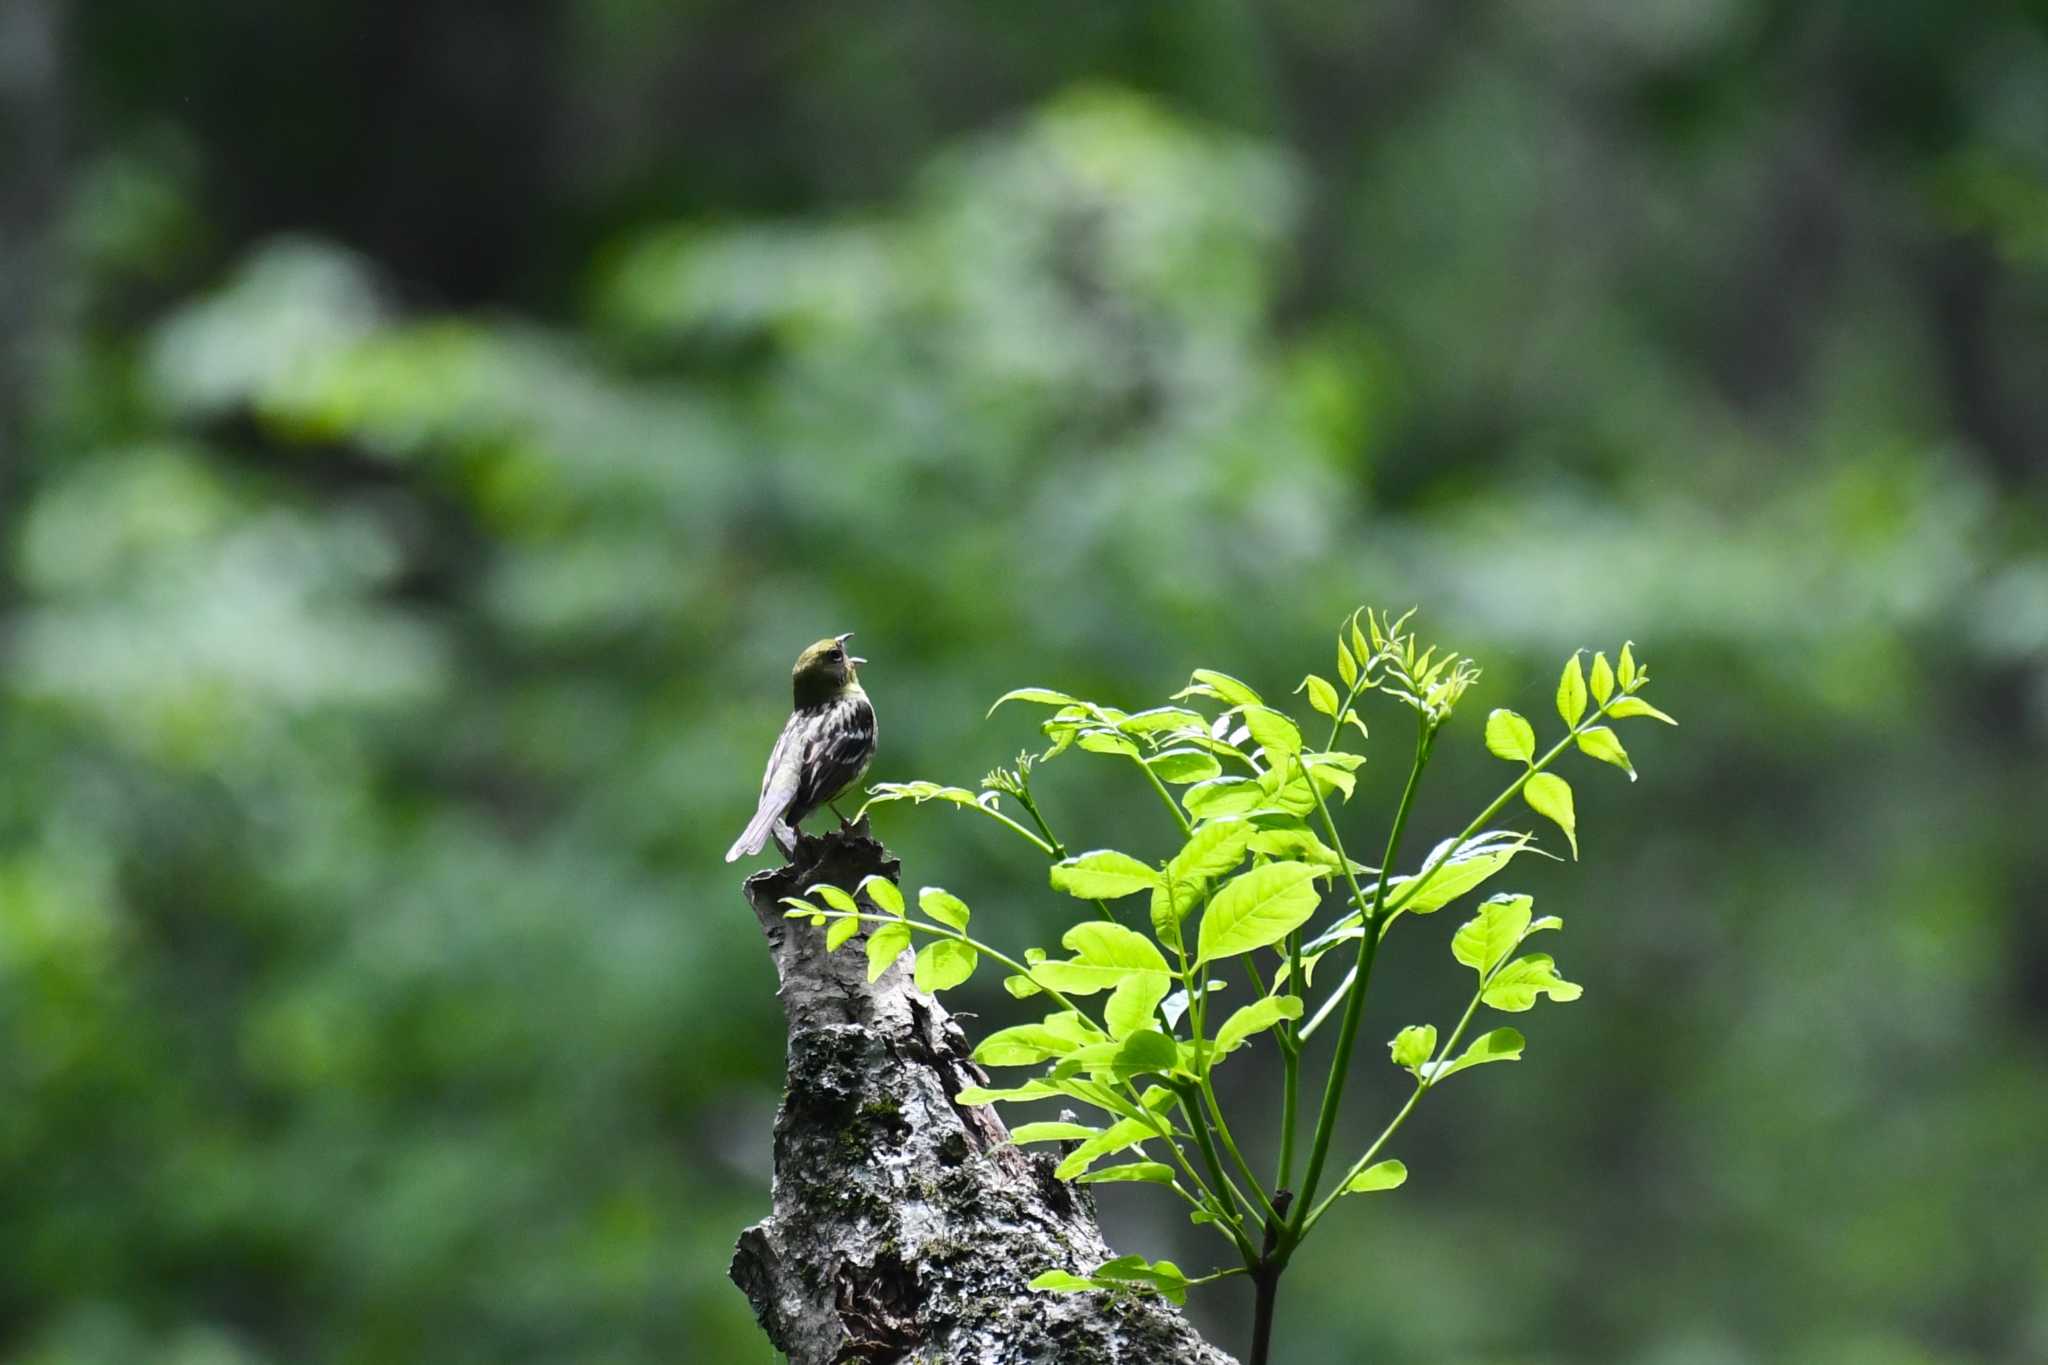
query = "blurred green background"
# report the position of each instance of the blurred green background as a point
(431, 429)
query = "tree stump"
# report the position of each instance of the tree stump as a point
(906, 1227)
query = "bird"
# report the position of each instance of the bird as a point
(824, 747)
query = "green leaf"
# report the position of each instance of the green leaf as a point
(834, 897)
(1105, 955)
(1509, 736)
(1025, 1133)
(1282, 787)
(943, 964)
(1551, 796)
(1162, 718)
(1122, 1134)
(1045, 696)
(1603, 680)
(1360, 646)
(1156, 1172)
(1413, 1046)
(1146, 1050)
(1626, 671)
(1227, 688)
(1211, 852)
(1104, 874)
(1321, 695)
(1172, 903)
(1066, 1282)
(1256, 908)
(981, 1094)
(1485, 940)
(1181, 766)
(1253, 1018)
(884, 946)
(883, 893)
(1133, 1005)
(1636, 706)
(1452, 877)
(1347, 667)
(1274, 732)
(1222, 796)
(1023, 1044)
(1501, 1045)
(1332, 771)
(1514, 988)
(1022, 987)
(843, 928)
(1599, 742)
(943, 907)
(1381, 1175)
(1571, 692)
(1134, 1272)
(1107, 742)
(1298, 843)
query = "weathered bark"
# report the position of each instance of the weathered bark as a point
(906, 1226)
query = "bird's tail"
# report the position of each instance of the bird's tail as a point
(755, 835)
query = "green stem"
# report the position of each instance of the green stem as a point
(1423, 1086)
(1058, 850)
(1207, 1146)
(1289, 1033)
(1368, 947)
(1265, 1205)
(1187, 831)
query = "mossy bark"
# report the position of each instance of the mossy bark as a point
(906, 1227)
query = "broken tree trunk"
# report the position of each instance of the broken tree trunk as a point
(906, 1226)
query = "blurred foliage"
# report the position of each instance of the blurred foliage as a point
(447, 421)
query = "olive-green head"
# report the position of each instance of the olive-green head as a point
(824, 671)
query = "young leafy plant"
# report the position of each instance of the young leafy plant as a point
(1135, 1020)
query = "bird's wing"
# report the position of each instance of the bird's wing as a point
(835, 754)
(778, 788)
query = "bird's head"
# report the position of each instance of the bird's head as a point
(824, 670)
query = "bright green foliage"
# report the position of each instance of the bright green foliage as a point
(942, 906)
(1636, 706)
(1598, 741)
(1602, 681)
(884, 946)
(883, 893)
(1516, 986)
(943, 964)
(1123, 1274)
(1483, 942)
(1060, 1131)
(1182, 766)
(1571, 692)
(1551, 796)
(1258, 907)
(1509, 736)
(1381, 1175)
(1154, 1172)
(1133, 1026)
(1413, 1046)
(1103, 875)
(1501, 1045)
(839, 931)
(1256, 1017)
(1321, 695)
